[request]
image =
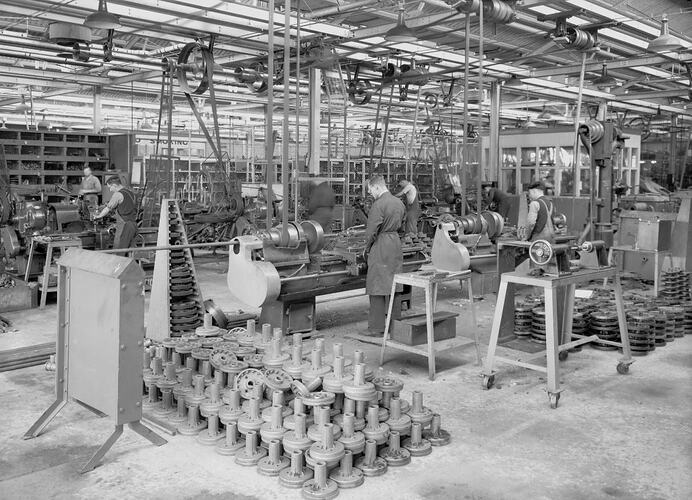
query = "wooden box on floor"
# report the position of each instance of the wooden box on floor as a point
(19, 297)
(412, 330)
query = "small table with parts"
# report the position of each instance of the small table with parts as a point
(556, 345)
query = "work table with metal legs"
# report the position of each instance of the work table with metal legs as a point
(428, 281)
(556, 345)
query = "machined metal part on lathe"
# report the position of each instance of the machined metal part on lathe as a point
(418, 412)
(296, 474)
(394, 454)
(274, 462)
(436, 435)
(370, 463)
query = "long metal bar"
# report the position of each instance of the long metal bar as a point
(575, 165)
(269, 118)
(374, 132)
(465, 151)
(170, 247)
(386, 124)
(479, 169)
(296, 167)
(409, 167)
(287, 104)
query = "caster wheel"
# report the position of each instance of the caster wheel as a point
(554, 399)
(623, 368)
(563, 355)
(488, 381)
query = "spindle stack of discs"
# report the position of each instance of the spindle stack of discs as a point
(522, 319)
(688, 317)
(672, 320)
(660, 323)
(641, 333)
(604, 324)
(538, 324)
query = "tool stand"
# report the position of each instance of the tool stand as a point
(556, 345)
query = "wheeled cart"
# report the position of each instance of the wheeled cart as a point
(556, 345)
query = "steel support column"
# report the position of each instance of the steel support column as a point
(315, 88)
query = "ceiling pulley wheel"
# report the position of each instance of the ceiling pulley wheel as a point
(195, 65)
(540, 252)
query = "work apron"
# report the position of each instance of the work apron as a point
(385, 259)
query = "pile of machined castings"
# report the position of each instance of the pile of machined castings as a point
(319, 424)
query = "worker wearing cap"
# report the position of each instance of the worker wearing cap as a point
(409, 193)
(383, 249)
(124, 206)
(91, 188)
(540, 218)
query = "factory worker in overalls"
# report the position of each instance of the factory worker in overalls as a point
(540, 219)
(124, 205)
(383, 250)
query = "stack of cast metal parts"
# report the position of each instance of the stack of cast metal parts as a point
(675, 285)
(186, 308)
(320, 424)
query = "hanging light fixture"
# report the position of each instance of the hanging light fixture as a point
(102, 19)
(401, 33)
(665, 42)
(605, 81)
(514, 82)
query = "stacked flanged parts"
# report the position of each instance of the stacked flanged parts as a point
(319, 424)
(186, 309)
(675, 285)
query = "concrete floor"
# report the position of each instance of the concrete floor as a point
(613, 436)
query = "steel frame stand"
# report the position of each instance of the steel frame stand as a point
(429, 282)
(556, 345)
(59, 404)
